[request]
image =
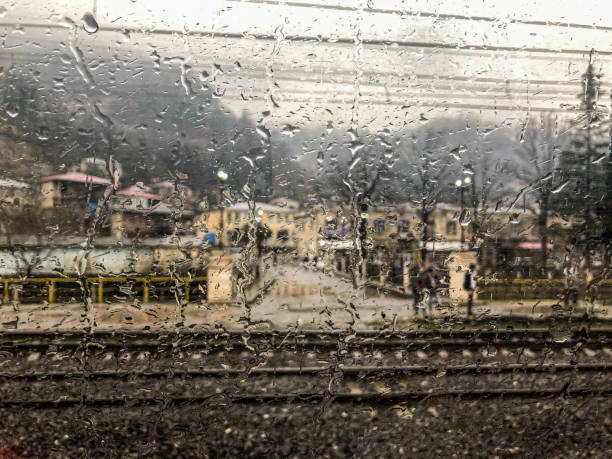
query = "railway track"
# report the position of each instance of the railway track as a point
(56, 371)
(184, 387)
(305, 398)
(297, 371)
(48, 353)
(306, 337)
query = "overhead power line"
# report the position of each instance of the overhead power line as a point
(341, 41)
(324, 75)
(428, 14)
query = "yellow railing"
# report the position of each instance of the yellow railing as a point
(51, 281)
(534, 281)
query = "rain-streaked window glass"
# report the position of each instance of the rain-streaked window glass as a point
(252, 228)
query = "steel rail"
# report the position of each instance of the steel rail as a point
(232, 341)
(290, 371)
(306, 397)
(408, 345)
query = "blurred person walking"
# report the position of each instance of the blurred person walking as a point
(416, 286)
(429, 282)
(469, 284)
(572, 283)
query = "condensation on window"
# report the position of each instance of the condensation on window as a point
(338, 228)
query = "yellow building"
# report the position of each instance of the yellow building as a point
(230, 224)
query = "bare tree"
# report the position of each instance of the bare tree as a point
(427, 172)
(488, 172)
(538, 157)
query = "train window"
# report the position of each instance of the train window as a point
(305, 228)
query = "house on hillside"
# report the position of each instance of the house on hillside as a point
(138, 211)
(15, 195)
(74, 190)
(71, 199)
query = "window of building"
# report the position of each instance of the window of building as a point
(379, 226)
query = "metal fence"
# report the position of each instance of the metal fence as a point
(50, 284)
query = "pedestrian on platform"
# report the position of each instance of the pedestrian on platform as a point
(469, 284)
(430, 284)
(572, 283)
(416, 286)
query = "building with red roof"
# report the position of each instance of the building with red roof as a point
(72, 198)
(76, 177)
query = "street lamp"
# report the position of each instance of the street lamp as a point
(223, 176)
(461, 184)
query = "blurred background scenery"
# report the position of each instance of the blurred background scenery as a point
(341, 166)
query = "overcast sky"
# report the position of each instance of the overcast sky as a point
(383, 64)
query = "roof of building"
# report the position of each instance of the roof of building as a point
(139, 192)
(160, 208)
(263, 206)
(76, 177)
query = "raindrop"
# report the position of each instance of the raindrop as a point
(355, 147)
(466, 218)
(217, 93)
(43, 133)
(290, 130)
(263, 132)
(559, 188)
(600, 159)
(89, 23)
(561, 336)
(12, 112)
(67, 22)
(2, 11)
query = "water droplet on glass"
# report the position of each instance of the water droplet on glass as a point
(12, 112)
(600, 159)
(89, 23)
(466, 218)
(560, 187)
(263, 132)
(561, 336)
(43, 133)
(2, 11)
